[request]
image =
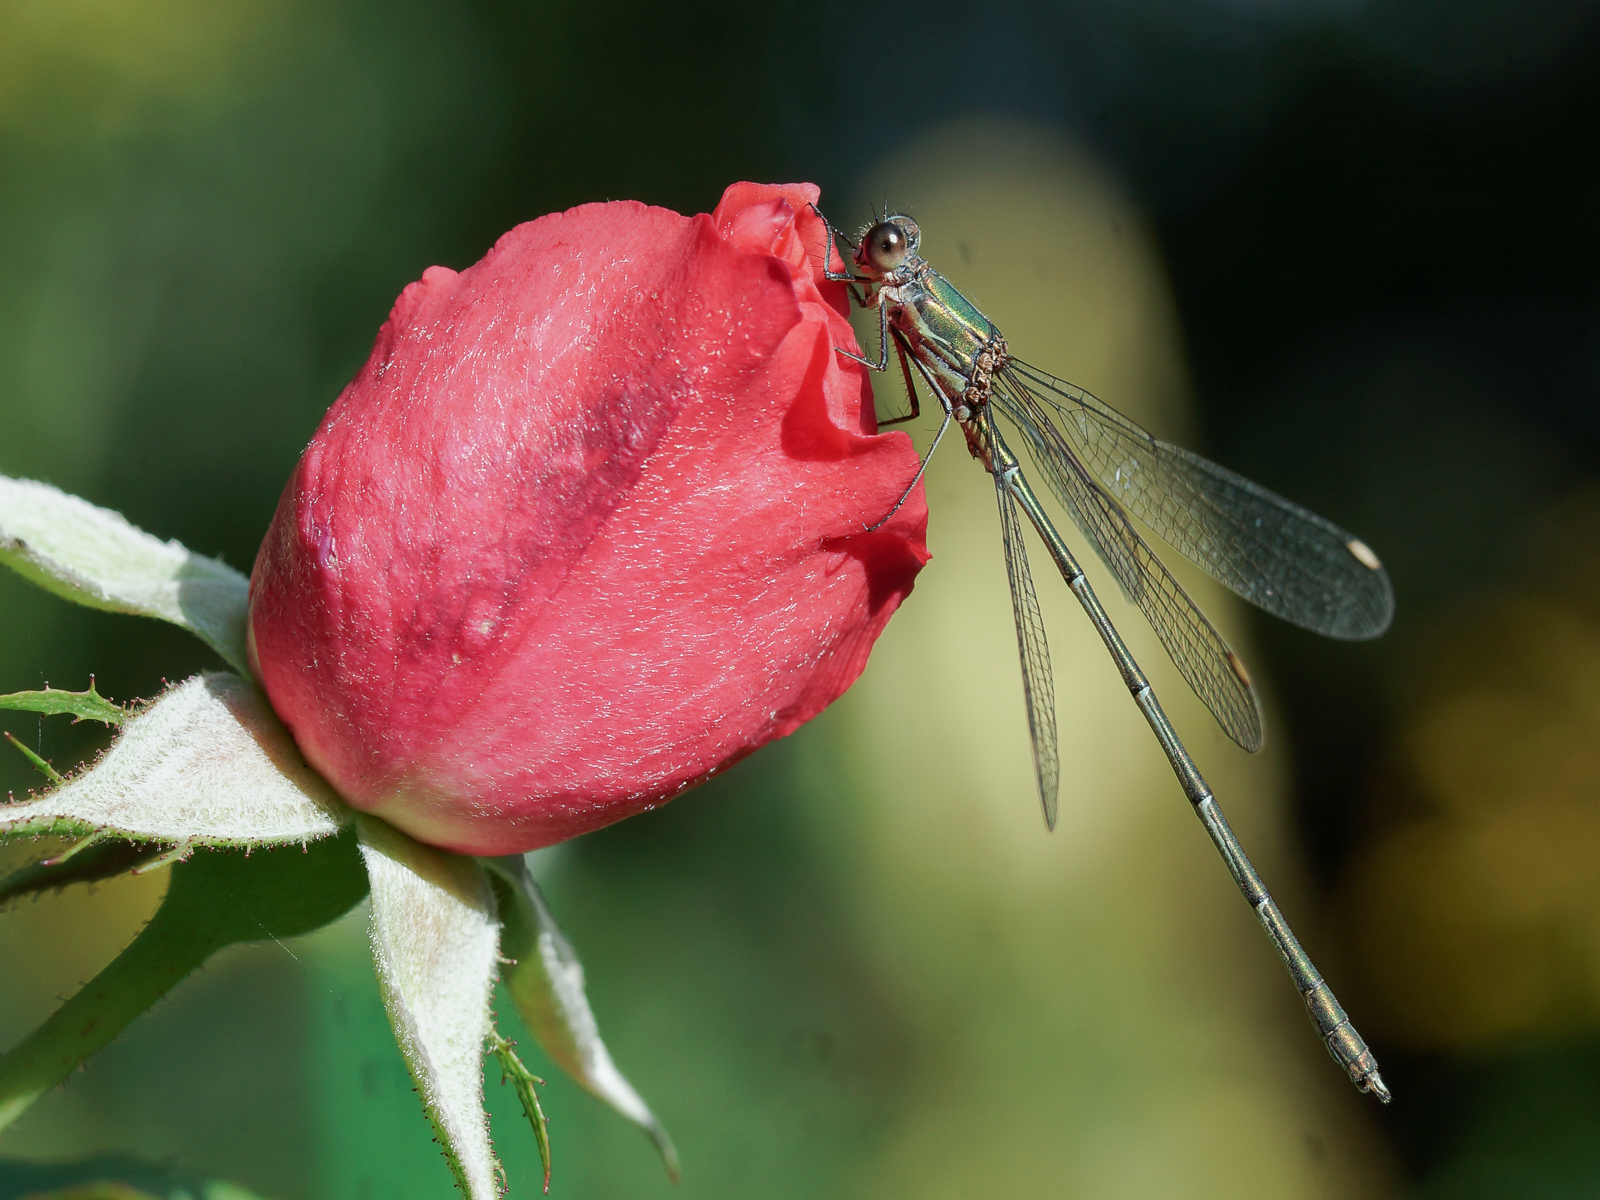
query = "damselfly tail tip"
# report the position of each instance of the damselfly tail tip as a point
(1373, 1085)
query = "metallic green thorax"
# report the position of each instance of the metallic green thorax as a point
(930, 308)
(944, 333)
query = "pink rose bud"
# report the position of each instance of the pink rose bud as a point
(588, 526)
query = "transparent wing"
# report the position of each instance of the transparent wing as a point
(1275, 554)
(1038, 688)
(1204, 660)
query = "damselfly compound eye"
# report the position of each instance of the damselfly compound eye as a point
(886, 246)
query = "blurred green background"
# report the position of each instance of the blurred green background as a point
(1349, 249)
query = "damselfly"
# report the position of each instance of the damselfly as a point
(1106, 472)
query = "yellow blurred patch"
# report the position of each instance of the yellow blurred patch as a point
(1479, 919)
(64, 937)
(66, 63)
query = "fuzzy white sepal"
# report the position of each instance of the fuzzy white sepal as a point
(546, 982)
(93, 556)
(435, 940)
(206, 764)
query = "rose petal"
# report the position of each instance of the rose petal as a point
(590, 526)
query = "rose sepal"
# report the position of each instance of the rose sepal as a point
(435, 942)
(96, 557)
(545, 980)
(206, 764)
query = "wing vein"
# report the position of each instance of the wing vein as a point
(1275, 554)
(1038, 685)
(1201, 655)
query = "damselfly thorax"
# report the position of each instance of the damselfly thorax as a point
(947, 335)
(1106, 472)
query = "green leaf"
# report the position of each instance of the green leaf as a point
(93, 556)
(206, 764)
(435, 942)
(110, 1177)
(82, 706)
(216, 898)
(545, 980)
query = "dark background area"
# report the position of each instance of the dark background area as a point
(1380, 223)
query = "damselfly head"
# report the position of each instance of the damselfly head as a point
(886, 246)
